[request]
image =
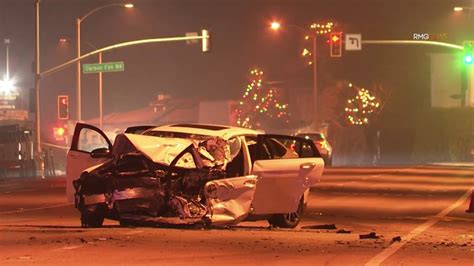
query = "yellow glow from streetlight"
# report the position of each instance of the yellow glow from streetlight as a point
(458, 9)
(275, 25)
(128, 5)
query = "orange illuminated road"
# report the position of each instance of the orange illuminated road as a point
(424, 206)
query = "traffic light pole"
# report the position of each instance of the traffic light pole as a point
(442, 44)
(101, 113)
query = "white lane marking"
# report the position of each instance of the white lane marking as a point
(133, 232)
(382, 256)
(36, 209)
(68, 248)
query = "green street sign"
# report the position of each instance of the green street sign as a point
(104, 67)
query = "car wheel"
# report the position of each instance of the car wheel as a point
(93, 216)
(288, 220)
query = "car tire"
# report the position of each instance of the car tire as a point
(288, 220)
(93, 216)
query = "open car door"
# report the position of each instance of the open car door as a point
(89, 147)
(287, 166)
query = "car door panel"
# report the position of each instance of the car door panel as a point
(230, 199)
(79, 156)
(283, 178)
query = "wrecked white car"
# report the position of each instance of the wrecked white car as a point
(190, 174)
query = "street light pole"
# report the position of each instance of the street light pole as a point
(7, 44)
(101, 113)
(315, 30)
(78, 70)
(78, 46)
(37, 87)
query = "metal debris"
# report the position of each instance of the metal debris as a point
(342, 231)
(371, 235)
(396, 239)
(321, 226)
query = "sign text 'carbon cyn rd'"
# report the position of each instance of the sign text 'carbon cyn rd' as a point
(104, 67)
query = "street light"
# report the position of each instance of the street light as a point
(101, 112)
(315, 30)
(7, 85)
(458, 8)
(275, 25)
(78, 46)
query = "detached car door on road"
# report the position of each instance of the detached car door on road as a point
(89, 147)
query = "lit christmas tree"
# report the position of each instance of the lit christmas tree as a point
(259, 105)
(359, 108)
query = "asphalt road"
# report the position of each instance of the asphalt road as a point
(423, 206)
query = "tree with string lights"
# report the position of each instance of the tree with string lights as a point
(260, 105)
(360, 107)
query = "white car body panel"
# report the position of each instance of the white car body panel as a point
(230, 199)
(281, 185)
(76, 163)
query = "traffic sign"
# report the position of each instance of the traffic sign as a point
(104, 67)
(353, 42)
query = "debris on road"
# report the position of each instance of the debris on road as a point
(32, 238)
(396, 239)
(342, 231)
(371, 235)
(321, 226)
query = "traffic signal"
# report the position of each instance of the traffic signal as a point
(468, 53)
(59, 133)
(206, 41)
(63, 107)
(336, 44)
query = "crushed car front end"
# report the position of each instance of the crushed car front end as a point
(163, 181)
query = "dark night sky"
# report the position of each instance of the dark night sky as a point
(240, 40)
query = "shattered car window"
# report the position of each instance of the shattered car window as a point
(234, 147)
(215, 152)
(90, 140)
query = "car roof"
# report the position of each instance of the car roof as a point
(222, 131)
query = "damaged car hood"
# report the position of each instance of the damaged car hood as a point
(158, 150)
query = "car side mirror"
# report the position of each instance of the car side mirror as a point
(100, 153)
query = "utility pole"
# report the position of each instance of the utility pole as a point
(7, 44)
(37, 89)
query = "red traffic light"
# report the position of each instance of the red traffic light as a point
(63, 107)
(335, 49)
